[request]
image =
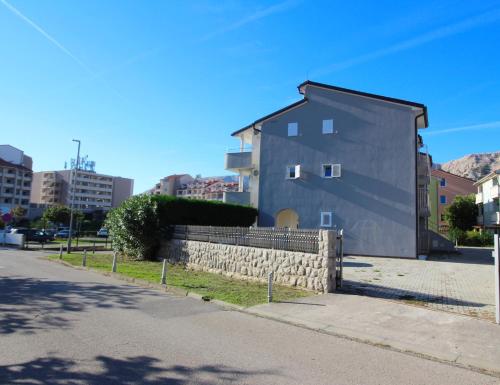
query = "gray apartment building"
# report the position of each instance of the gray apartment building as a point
(15, 178)
(340, 158)
(92, 191)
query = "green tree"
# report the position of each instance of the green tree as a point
(19, 212)
(462, 213)
(60, 214)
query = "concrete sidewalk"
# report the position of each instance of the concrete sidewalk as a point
(454, 338)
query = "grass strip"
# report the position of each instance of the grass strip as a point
(214, 286)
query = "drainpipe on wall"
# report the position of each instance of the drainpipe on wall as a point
(416, 185)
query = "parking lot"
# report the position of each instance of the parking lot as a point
(460, 283)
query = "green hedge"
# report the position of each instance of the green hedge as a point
(178, 211)
(140, 223)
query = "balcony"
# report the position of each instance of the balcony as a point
(236, 197)
(423, 202)
(479, 198)
(236, 161)
(495, 192)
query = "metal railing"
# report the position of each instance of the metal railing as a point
(270, 238)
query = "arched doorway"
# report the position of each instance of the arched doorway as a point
(287, 218)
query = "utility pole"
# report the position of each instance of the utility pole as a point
(72, 195)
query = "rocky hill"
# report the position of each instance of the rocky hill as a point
(473, 166)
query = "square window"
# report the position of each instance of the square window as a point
(326, 219)
(442, 199)
(442, 182)
(293, 172)
(328, 126)
(293, 129)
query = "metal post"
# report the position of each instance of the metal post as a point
(93, 251)
(84, 259)
(496, 252)
(164, 273)
(113, 267)
(270, 287)
(72, 195)
(60, 251)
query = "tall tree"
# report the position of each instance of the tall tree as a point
(462, 213)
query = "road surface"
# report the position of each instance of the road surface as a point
(60, 325)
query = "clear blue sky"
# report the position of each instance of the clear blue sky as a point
(156, 87)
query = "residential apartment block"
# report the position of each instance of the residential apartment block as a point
(446, 187)
(185, 186)
(92, 191)
(488, 200)
(340, 158)
(15, 178)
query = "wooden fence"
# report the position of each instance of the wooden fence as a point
(270, 238)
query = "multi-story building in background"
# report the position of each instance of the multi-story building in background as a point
(185, 186)
(15, 178)
(444, 188)
(488, 200)
(92, 191)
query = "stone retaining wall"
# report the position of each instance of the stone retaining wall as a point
(291, 268)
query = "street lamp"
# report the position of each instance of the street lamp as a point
(72, 195)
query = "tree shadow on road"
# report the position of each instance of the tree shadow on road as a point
(127, 371)
(28, 304)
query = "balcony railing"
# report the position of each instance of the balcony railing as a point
(236, 197)
(236, 161)
(423, 202)
(495, 191)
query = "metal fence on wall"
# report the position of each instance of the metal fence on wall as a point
(270, 238)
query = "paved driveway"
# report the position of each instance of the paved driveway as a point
(461, 283)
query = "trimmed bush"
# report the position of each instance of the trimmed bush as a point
(178, 211)
(471, 237)
(141, 222)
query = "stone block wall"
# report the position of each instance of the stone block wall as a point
(310, 271)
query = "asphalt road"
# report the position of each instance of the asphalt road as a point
(59, 325)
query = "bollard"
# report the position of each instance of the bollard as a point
(164, 273)
(270, 287)
(113, 268)
(60, 251)
(84, 259)
(496, 255)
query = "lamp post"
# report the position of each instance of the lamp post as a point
(72, 196)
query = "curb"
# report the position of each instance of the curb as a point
(229, 306)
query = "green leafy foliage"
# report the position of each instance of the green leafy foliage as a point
(178, 211)
(471, 237)
(134, 226)
(19, 212)
(60, 214)
(462, 213)
(141, 222)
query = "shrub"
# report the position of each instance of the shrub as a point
(462, 213)
(178, 211)
(471, 237)
(135, 227)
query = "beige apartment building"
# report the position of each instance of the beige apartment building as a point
(92, 191)
(15, 178)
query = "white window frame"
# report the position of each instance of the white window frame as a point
(335, 167)
(293, 129)
(325, 130)
(296, 168)
(329, 222)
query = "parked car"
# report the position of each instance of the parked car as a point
(62, 234)
(32, 235)
(103, 233)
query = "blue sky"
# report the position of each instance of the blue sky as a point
(156, 87)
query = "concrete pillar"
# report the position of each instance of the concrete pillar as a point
(327, 250)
